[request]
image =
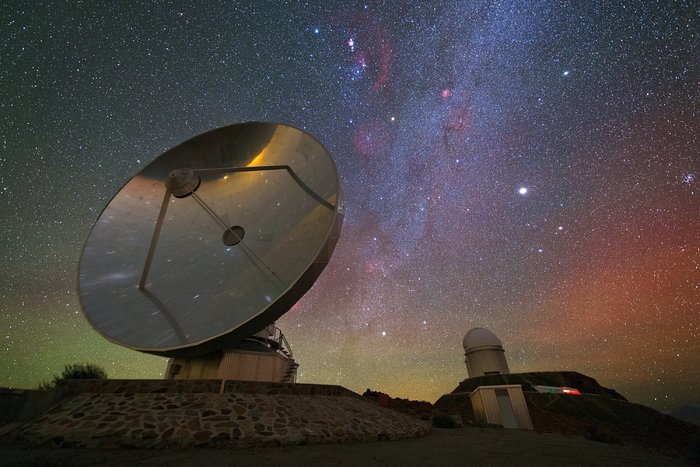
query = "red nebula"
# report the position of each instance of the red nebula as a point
(385, 53)
(372, 139)
(460, 120)
(372, 40)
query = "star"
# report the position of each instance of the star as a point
(460, 149)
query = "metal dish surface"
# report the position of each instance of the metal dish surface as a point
(255, 221)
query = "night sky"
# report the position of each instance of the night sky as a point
(528, 167)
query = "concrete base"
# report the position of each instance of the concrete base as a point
(210, 413)
(259, 358)
(235, 364)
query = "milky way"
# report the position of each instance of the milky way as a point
(529, 167)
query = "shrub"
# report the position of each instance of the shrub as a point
(443, 420)
(82, 371)
(76, 371)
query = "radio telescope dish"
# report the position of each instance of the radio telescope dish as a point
(212, 241)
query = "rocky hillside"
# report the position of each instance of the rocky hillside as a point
(600, 414)
(419, 409)
(572, 379)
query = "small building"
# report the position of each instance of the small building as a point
(484, 354)
(501, 405)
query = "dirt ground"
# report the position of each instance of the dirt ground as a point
(462, 446)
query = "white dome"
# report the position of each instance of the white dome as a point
(484, 354)
(480, 337)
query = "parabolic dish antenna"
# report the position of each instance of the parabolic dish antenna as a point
(212, 241)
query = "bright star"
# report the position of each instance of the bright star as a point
(522, 190)
(566, 73)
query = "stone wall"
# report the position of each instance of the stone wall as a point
(153, 414)
(11, 404)
(78, 386)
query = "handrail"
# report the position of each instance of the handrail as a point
(279, 338)
(286, 344)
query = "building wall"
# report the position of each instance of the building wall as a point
(252, 366)
(484, 362)
(234, 364)
(486, 407)
(522, 414)
(478, 406)
(491, 410)
(204, 367)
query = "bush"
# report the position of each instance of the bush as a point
(76, 371)
(443, 420)
(82, 371)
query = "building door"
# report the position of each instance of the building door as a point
(506, 409)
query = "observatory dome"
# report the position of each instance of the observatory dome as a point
(480, 337)
(483, 353)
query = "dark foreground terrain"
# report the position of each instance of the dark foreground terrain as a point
(461, 446)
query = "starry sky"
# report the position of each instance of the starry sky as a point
(528, 167)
